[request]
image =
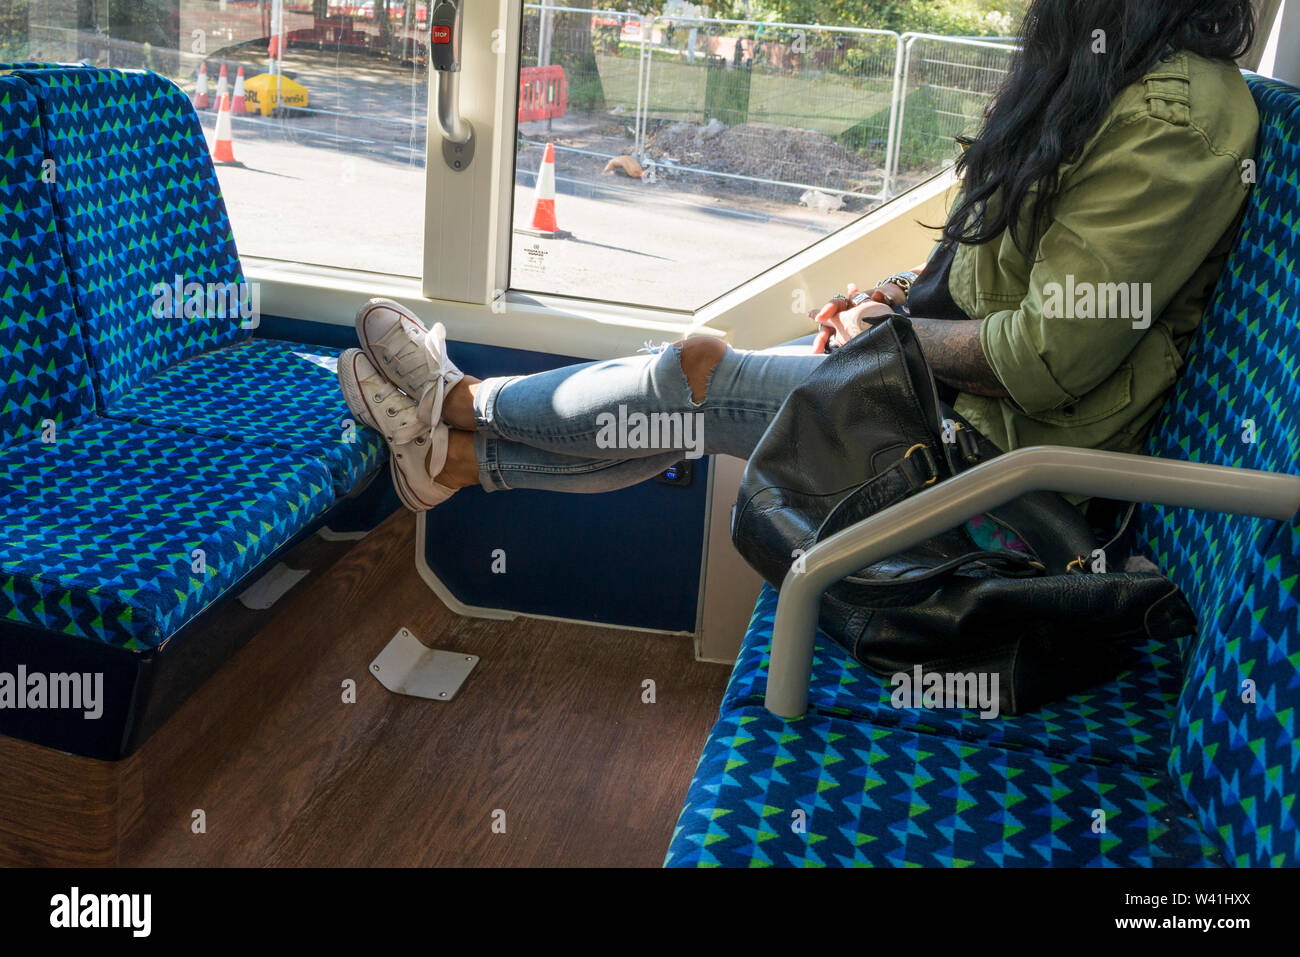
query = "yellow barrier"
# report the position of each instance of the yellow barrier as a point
(260, 93)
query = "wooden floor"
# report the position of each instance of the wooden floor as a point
(549, 729)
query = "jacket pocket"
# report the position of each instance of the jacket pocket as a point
(1112, 396)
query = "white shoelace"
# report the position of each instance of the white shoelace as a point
(425, 353)
(428, 351)
(434, 344)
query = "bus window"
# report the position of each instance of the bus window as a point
(665, 159)
(324, 159)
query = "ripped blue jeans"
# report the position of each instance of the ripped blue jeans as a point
(604, 425)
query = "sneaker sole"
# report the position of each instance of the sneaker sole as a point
(407, 494)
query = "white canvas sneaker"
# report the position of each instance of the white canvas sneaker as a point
(378, 403)
(413, 357)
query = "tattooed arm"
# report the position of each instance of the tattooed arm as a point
(954, 353)
(951, 347)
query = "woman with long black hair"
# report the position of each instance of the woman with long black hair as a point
(1098, 203)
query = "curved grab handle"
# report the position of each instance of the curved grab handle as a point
(451, 124)
(444, 57)
(1117, 475)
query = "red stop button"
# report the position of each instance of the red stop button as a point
(442, 34)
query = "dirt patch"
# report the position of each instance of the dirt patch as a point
(765, 151)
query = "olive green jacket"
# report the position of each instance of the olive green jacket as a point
(1089, 339)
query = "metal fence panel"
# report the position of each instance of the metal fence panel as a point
(803, 105)
(946, 85)
(598, 49)
(795, 113)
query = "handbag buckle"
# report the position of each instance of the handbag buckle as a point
(929, 461)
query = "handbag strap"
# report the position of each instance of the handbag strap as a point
(916, 470)
(911, 589)
(1120, 529)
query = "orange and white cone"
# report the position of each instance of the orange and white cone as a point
(201, 99)
(544, 223)
(223, 150)
(237, 103)
(223, 84)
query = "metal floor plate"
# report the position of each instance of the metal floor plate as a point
(405, 666)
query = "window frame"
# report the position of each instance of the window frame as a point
(466, 273)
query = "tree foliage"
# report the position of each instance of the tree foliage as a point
(13, 29)
(951, 17)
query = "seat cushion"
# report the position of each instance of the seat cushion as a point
(1125, 721)
(261, 391)
(101, 531)
(138, 204)
(44, 373)
(873, 796)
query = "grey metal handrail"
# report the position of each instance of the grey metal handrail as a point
(1115, 475)
(453, 127)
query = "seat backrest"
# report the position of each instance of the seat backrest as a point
(138, 205)
(44, 373)
(1233, 751)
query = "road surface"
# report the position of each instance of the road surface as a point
(344, 187)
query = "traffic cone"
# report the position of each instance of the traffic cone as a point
(201, 99)
(544, 223)
(223, 84)
(223, 150)
(237, 104)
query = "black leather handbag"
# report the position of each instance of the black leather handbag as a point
(866, 430)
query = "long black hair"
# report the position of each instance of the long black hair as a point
(1057, 95)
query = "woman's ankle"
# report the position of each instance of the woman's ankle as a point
(461, 468)
(458, 405)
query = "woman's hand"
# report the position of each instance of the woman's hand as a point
(839, 325)
(890, 294)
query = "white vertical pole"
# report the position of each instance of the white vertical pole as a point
(277, 11)
(643, 83)
(902, 104)
(891, 161)
(277, 31)
(640, 94)
(545, 28)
